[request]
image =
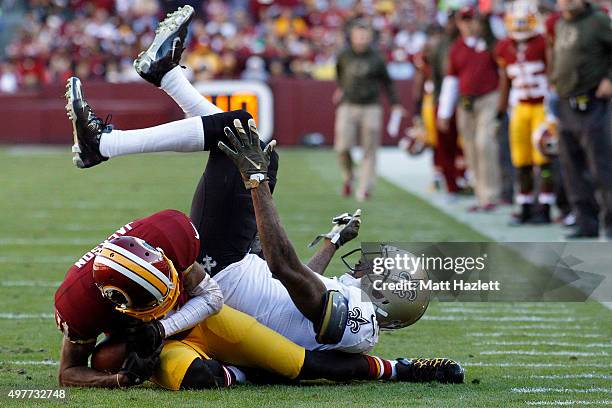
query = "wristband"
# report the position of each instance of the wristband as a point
(334, 240)
(255, 180)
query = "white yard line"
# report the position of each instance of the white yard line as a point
(37, 259)
(503, 318)
(543, 343)
(506, 311)
(512, 333)
(540, 390)
(568, 402)
(542, 327)
(565, 376)
(544, 353)
(505, 305)
(28, 283)
(49, 241)
(31, 362)
(568, 365)
(88, 227)
(20, 316)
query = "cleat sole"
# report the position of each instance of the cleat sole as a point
(166, 27)
(70, 98)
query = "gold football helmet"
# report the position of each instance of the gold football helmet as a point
(137, 278)
(521, 19)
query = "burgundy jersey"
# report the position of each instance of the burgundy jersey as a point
(474, 66)
(525, 65)
(80, 310)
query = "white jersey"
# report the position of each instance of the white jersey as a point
(248, 286)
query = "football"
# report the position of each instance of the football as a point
(109, 355)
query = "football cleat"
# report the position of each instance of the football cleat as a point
(429, 369)
(167, 47)
(87, 128)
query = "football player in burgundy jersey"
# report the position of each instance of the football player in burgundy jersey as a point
(522, 59)
(83, 312)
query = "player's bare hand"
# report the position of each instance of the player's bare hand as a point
(247, 154)
(443, 124)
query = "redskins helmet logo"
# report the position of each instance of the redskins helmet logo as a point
(136, 277)
(546, 137)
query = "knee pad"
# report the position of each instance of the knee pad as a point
(203, 374)
(333, 320)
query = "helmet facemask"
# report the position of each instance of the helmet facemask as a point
(394, 308)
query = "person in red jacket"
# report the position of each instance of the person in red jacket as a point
(472, 79)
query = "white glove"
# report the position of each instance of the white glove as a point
(346, 227)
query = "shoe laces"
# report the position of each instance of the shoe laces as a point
(426, 367)
(98, 122)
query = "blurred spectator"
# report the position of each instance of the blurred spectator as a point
(8, 78)
(99, 39)
(361, 72)
(472, 78)
(255, 69)
(431, 69)
(582, 75)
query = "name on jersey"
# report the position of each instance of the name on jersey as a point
(91, 254)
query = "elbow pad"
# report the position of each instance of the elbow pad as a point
(330, 328)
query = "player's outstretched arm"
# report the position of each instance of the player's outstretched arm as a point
(306, 291)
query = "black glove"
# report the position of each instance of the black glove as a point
(346, 227)
(145, 338)
(252, 162)
(139, 369)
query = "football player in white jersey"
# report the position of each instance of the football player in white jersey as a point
(314, 311)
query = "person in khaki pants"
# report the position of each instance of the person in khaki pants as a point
(480, 148)
(361, 71)
(473, 79)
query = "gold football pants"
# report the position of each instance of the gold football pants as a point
(234, 338)
(524, 121)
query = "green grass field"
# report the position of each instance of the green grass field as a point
(51, 213)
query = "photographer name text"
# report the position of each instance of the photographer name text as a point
(457, 285)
